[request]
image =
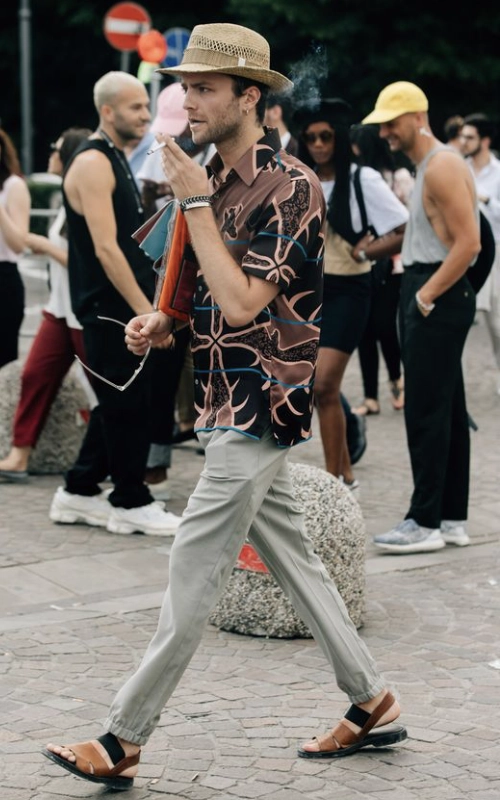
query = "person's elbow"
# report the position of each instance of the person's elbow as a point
(105, 252)
(239, 316)
(473, 246)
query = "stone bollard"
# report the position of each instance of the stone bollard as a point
(62, 434)
(254, 604)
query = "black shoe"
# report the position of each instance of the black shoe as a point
(357, 444)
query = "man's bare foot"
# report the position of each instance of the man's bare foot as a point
(65, 752)
(353, 731)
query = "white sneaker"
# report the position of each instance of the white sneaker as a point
(151, 519)
(410, 537)
(71, 508)
(354, 487)
(454, 533)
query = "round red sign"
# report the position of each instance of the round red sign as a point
(124, 23)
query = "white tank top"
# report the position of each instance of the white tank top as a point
(6, 254)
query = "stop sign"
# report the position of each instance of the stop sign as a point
(124, 23)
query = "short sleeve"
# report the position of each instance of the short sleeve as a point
(383, 209)
(285, 232)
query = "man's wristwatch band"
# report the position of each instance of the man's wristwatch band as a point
(195, 201)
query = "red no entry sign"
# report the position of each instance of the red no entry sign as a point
(124, 23)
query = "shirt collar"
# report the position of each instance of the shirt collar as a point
(256, 158)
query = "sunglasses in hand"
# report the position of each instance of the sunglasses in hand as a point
(105, 380)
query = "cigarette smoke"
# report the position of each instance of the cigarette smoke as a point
(308, 76)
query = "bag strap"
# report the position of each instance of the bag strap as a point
(360, 199)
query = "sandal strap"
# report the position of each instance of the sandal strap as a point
(112, 747)
(363, 719)
(327, 743)
(90, 761)
(342, 736)
(357, 715)
(384, 705)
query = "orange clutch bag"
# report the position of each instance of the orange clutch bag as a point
(176, 267)
(175, 295)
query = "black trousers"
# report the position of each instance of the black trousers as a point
(118, 435)
(12, 293)
(435, 410)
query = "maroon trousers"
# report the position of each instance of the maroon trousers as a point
(50, 357)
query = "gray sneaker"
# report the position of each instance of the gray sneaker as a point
(78, 508)
(454, 532)
(409, 537)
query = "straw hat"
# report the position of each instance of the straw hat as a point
(232, 50)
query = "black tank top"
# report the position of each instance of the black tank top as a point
(92, 293)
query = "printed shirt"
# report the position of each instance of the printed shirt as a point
(270, 211)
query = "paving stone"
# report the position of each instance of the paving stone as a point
(244, 704)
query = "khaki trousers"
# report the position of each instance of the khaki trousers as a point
(244, 491)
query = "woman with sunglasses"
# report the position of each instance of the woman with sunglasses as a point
(365, 221)
(59, 336)
(15, 203)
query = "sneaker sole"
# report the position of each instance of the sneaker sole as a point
(127, 528)
(457, 542)
(418, 547)
(74, 517)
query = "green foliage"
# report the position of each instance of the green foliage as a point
(365, 44)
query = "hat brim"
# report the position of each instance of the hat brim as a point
(387, 115)
(382, 116)
(275, 80)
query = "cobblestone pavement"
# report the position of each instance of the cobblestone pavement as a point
(78, 606)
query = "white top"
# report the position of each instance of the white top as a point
(152, 166)
(488, 185)
(59, 304)
(383, 209)
(6, 254)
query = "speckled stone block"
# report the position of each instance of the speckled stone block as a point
(254, 604)
(62, 434)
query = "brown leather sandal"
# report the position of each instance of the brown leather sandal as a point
(342, 741)
(91, 766)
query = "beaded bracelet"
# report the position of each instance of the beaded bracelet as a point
(426, 306)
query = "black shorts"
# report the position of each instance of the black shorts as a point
(346, 307)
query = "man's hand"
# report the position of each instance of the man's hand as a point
(186, 176)
(147, 330)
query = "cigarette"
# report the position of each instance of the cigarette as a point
(156, 146)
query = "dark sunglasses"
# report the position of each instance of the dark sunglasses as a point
(325, 136)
